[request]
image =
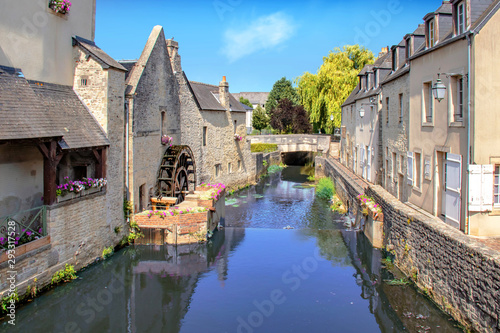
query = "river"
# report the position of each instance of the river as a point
(253, 276)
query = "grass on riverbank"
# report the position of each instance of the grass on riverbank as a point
(325, 188)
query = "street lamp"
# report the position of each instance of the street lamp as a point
(439, 89)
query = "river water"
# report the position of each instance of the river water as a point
(253, 276)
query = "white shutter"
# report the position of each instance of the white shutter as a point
(362, 160)
(409, 168)
(453, 189)
(487, 187)
(475, 188)
(369, 164)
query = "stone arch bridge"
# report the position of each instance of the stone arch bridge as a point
(290, 143)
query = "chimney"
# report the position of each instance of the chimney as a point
(384, 51)
(224, 93)
(173, 53)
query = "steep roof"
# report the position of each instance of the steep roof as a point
(101, 56)
(69, 115)
(207, 96)
(22, 116)
(128, 64)
(484, 16)
(137, 68)
(246, 107)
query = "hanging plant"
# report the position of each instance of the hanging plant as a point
(237, 137)
(60, 6)
(166, 140)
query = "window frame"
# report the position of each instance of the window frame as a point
(401, 108)
(496, 186)
(460, 26)
(427, 104)
(431, 37)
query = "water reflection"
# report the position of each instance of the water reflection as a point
(330, 279)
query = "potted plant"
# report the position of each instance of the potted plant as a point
(60, 6)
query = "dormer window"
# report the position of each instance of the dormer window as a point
(408, 48)
(361, 81)
(394, 59)
(367, 82)
(431, 33)
(375, 78)
(460, 18)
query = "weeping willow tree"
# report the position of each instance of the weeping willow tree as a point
(323, 93)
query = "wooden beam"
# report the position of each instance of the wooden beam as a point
(51, 158)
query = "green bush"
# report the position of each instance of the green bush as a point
(325, 189)
(65, 274)
(274, 169)
(263, 147)
(107, 252)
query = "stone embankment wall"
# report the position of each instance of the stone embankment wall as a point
(78, 235)
(269, 158)
(458, 272)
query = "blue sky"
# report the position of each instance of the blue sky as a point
(255, 43)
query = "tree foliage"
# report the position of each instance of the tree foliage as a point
(289, 118)
(260, 120)
(282, 88)
(245, 101)
(323, 93)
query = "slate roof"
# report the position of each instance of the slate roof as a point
(101, 56)
(207, 96)
(384, 61)
(22, 116)
(68, 115)
(128, 64)
(246, 107)
(481, 15)
(254, 97)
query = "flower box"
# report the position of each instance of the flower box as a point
(67, 196)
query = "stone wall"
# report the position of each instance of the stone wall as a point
(260, 158)
(458, 272)
(296, 142)
(154, 109)
(77, 234)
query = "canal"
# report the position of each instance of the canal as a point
(253, 276)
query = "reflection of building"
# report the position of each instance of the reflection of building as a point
(165, 278)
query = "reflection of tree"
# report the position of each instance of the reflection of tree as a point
(331, 246)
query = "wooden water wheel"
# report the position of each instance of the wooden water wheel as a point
(176, 174)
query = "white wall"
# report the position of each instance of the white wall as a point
(21, 178)
(37, 40)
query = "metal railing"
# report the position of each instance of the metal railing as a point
(23, 227)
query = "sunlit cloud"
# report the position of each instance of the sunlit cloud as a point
(265, 33)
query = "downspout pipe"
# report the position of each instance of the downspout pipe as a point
(469, 52)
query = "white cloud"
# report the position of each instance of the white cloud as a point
(264, 33)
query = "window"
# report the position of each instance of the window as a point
(84, 81)
(427, 167)
(496, 186)
(372, 118)
(387, 110)
(162, 123)
(395, 59)
(409, 168)
(431, 37)
(239, 165)
(375, 78)
(457, 86)
(218, 170)
(460, 23)
(229, 168)
(235, 125)
(408, 49)
(400, 108)
(394, 166)
(427, 103)
(401, 163)
(204, 135)
(418, 170)
(142, 201)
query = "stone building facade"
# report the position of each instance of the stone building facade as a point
(153, 110)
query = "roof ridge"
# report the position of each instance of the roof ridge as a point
(205, 84)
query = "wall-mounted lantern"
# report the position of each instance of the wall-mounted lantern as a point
(361, 112)
(439, 89)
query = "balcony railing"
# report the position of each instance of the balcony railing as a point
(23, 227)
